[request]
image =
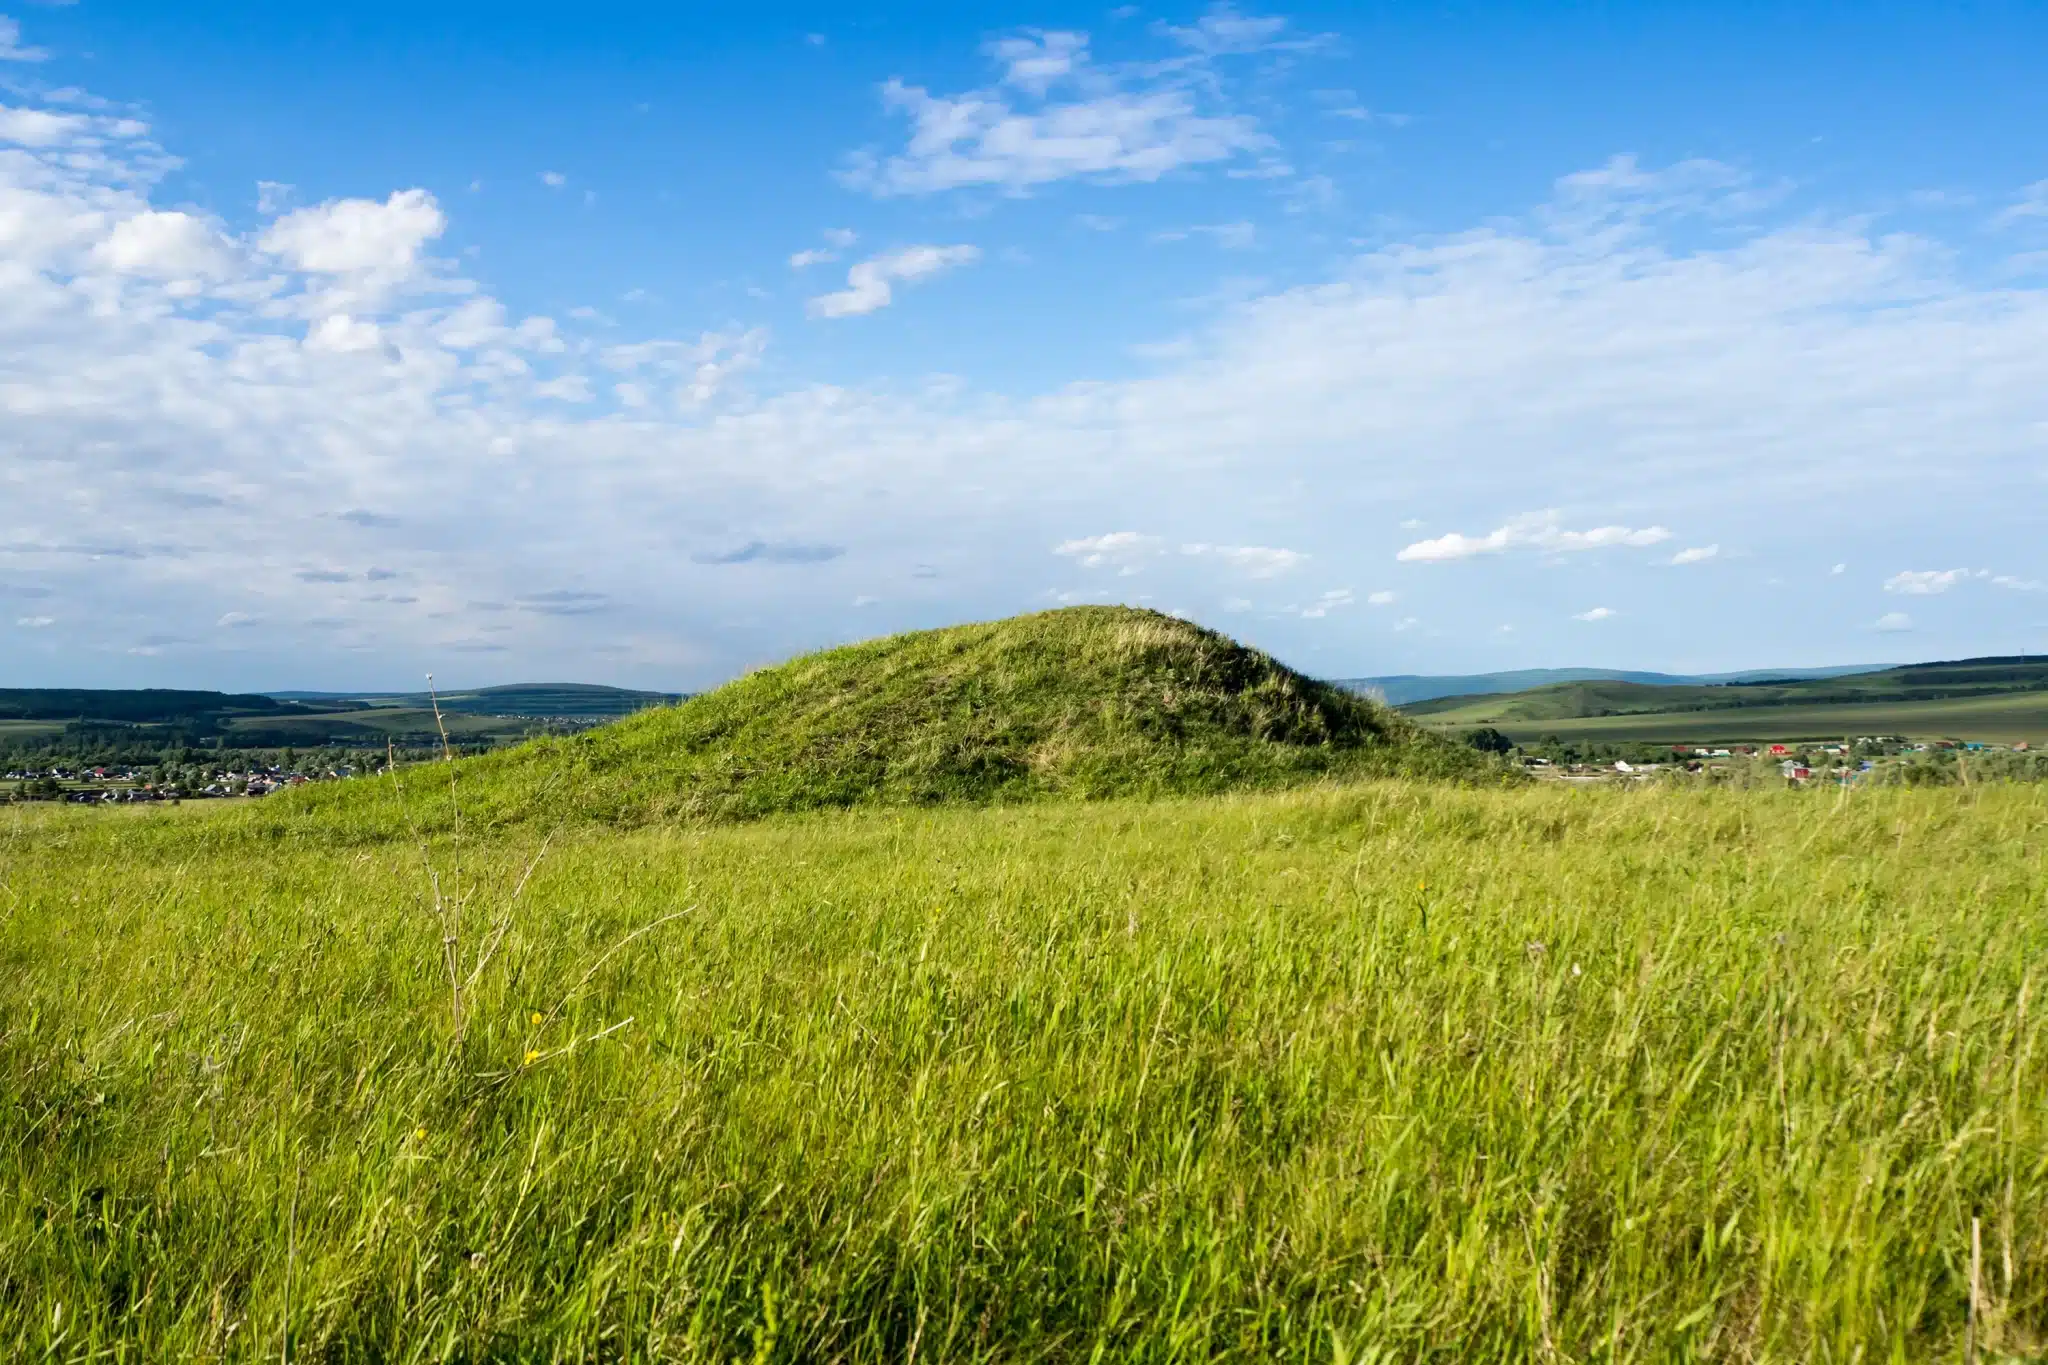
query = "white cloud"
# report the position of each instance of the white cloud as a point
(34, 622)
(1254, 561)
(41, 127)
(1054, 114)
(1596, 614)
(2032, 203)
(1036, 60)
(1893, 621)
(1927, 582)
(1327, 603)
(1223, 31)
(347, 236)
(1123, 550)
(1536, 530)
(554, 180)
(340, 334)
(170, 245)
(1699, 554)
(1838, 570)
(869, 284)
(238, 620)
(804, 260)
(11, 49)
(2018, 584)
(1382, 598)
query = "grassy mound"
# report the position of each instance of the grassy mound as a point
(1085, 702)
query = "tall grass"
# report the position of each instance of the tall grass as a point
(1375, 1073)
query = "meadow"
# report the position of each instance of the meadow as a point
(1380, 1070)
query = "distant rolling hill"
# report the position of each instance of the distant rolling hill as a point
(555, 701)
(1405, 689)
(1999, 698)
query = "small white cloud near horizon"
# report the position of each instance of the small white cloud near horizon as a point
(1892, 622)
(1123, 550)
(1382, 598)
(1596, 614)
(870, 284)
(1535, 530)
(1327, 603)
(1255, 561)
(1928, 582)
(1699, 554)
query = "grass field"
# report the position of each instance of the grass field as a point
(1382, 1072)
(1992, 719)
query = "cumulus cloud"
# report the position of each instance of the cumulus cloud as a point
(1537, 531)
(1596, 614)
(1699, 554)
(166, 245)
(870, 284)
(1382, 598)
(348, 236)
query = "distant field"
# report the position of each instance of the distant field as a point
(1999, 719)
(29, 729)
(373, 725)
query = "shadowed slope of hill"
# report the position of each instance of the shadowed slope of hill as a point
(1084, 702)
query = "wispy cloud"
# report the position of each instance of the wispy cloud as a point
(11, 46)
(1596, 614)
(1928, 582)
(871, 284)
(1893, 622)
(1254, 561)
(1053, 113)
(1699, 554)
(773, 552)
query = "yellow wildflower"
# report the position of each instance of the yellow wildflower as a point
(536, 1019)
(531, 1057)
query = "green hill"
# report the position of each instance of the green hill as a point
(1084, 702)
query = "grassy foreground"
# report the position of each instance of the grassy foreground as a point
(1392, 1071)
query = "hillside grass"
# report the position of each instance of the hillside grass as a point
(1082, 703)
(1393, 1071)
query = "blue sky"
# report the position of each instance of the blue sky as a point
(647, 344)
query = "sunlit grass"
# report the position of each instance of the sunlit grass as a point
(1386, 1072)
